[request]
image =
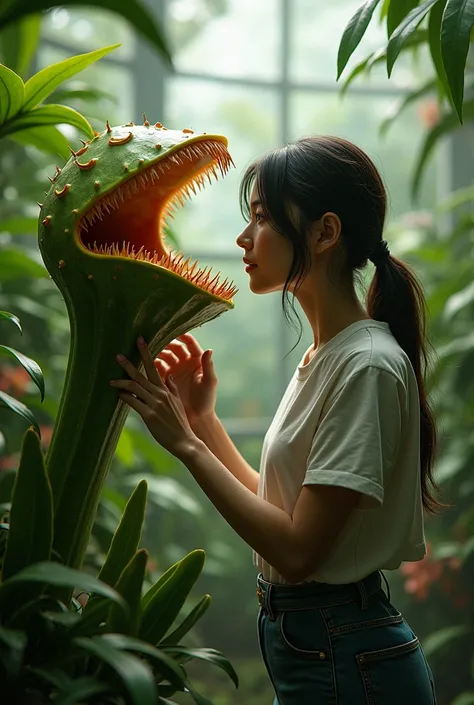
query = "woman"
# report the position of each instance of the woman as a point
(346, 466)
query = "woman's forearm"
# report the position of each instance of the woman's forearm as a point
(264, 527)
(212, 432)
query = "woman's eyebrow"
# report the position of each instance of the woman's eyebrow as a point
(256, 202)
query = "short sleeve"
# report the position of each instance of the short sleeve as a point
(357, 440)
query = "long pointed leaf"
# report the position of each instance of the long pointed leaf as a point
(210, 655)
(49, 114)
(458, 19)
(132, 10)
(166, 665)
(188, 623)
(46, 138)
(397, 12)
(30, 536)
(126, 537)
(6, 316)
(165, 605)
(12, 90)
(43, 83)
(447, 123)
(404, 30)
(20, 409)
(353, 33)
(135, 675)
(32, 367)
(130, 585)
(434, 41)
(58, 575)
(151, 592)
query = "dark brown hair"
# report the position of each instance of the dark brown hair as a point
(330, 174)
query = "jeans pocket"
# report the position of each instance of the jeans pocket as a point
(304, 633)
(395, 675)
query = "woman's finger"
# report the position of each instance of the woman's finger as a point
(169, 357)
(148, 364)
(178, 349)
(192, 344)
(162, 367)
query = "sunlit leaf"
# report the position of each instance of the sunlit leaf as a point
(6, 316)
(434, 42)
(32, 367)
(30, 536)
(48, 114)
(132, 10)
(404, 30)
(12, 90)
(46, 138)
(135, 674)
(19, 42)
(353, 33)
(20, 409)
(457, 22)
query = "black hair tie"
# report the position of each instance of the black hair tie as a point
(380, 253)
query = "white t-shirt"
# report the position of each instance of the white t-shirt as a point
(351, 417)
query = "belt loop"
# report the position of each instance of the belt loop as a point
(265, 600)
(364, 599)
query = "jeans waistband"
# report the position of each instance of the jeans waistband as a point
(274, 597)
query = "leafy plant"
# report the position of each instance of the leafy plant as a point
(444, 27)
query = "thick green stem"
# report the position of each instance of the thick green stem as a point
(105, 322)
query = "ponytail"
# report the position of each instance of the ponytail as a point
(396, 297)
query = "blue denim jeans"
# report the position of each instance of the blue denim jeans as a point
(340, 645)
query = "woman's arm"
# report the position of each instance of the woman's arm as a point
(294, 545)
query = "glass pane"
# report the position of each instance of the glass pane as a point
(227, 38)
(316, 29)
(113, 80)
(248, 118)
(358, 119)
(88, 28)
(243, 340)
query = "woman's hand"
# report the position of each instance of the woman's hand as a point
(158, 404)
(193, 374)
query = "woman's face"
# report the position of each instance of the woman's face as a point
(270, 252)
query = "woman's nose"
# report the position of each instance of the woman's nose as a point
(244, 240)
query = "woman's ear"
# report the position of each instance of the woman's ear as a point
(326, 232)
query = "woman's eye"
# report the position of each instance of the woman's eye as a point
(258, 216)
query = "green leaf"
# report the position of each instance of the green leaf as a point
(464, 699)
(457, 22)
(163, 608)
(19, 43)
(187, 624)
(132, 10)
(77, 690)
(405, 102)
(136, 675)
(397, 12)
(384, 10)
(4, 315)
(151, 592)
(12, 658)
(130, 585)
(126, 537)
(46, 138)
(167, 666)
(20, 409)
(434, 40)
(440, 639)
(18, 263)
(30, 536)
(59, 575)
(87, 94)
(49, 114)
(210, 655)
(446, 124)
(12, 90)
(404, 30)
(32, 367)
(43, 83)
(353, 33)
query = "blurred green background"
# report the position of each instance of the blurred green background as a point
(262, 74)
